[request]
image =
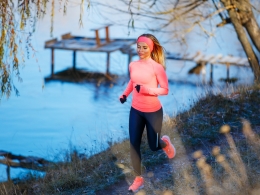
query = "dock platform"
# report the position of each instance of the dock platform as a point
(87, 44)
(25, 162)
(201, 60)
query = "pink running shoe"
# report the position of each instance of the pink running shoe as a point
(137, 184)
(169, 149)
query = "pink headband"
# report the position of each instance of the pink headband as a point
(146, 40)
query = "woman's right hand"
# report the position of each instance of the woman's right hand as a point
(122, 99)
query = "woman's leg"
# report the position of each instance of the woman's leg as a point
(136, 128)
(154, 127)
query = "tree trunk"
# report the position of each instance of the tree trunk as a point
(249, 22)
(242, 36)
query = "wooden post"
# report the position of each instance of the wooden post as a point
(211, 73)
(52, 62)
(227, 71)
(107, 34)
(97, 38)
(108, 62)
(203, 72)
(8, 173)
(74, 60)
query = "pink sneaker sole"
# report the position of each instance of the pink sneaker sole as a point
(168, 141)
(134, 191)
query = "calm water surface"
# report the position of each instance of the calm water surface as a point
(48, 117)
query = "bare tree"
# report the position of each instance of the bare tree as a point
(242, 17)
(193, 13)
(185, 15)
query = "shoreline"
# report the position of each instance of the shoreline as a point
(196, 129)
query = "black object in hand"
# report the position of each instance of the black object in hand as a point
(123, 99)
(138, 87)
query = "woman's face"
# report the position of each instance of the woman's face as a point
(143, 50)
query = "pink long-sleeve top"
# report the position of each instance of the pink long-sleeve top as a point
(149, 74)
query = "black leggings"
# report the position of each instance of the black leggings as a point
(137, 121)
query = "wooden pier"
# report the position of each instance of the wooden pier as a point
(87, 44)
(18, 161)
(201, 60)
(108, 45)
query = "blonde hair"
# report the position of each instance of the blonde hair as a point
(158, 53)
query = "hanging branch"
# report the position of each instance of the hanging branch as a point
(17, 21)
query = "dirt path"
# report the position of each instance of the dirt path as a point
(152, 180)
(170, 169)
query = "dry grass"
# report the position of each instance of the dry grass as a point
(218, 152)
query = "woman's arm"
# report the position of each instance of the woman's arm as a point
(162, 80)
(127, 91)
(129, 88)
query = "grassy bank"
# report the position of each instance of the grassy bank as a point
(218, 152)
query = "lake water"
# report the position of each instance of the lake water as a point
(48, 117)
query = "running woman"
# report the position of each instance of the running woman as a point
(146, 110)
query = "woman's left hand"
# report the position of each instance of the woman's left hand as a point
(138, 87)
